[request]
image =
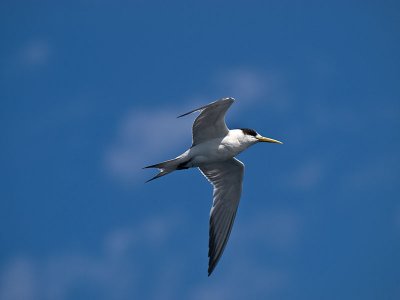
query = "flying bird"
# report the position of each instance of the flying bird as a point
(213, 151)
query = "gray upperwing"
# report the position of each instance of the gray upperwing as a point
(226, 177)
(210, 123)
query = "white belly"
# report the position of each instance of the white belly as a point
(213, 151)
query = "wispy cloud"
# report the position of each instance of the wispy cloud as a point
(18, 280)
(279, 230)
(250, 86)
(258, 281)
(120, 270)
(307, 175)
(244, 84)
(143, 138)
(113, 274)
(29, 55)
(35, 52)
(377, 172)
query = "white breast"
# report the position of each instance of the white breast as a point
(219, 149)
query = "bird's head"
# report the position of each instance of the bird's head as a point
(252, 136)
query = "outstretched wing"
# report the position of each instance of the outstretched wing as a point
(210, 123)
(226, 177)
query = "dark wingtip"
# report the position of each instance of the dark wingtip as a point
(186, 114)
(211, 262)
(210, 270)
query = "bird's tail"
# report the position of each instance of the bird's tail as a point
(167, 167)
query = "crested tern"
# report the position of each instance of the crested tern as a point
(213, 151)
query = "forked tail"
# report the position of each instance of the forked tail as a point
(167, 167)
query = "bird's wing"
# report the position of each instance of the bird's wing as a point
(226, 177)
(210, 123)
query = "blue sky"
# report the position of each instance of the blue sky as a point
(90, 93)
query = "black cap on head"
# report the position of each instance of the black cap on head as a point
(249, 131)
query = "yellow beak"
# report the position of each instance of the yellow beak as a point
(267, 140)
